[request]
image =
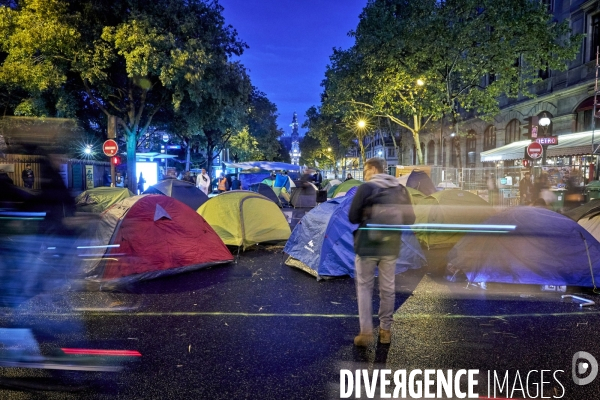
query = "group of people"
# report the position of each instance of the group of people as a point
(223, 183)
(534, 193)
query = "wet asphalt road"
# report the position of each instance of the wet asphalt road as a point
(259, 329)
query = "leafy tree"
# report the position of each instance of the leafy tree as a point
(262, 124)
(452, 46)
(127, 58)
(327, 139)
(245, 147)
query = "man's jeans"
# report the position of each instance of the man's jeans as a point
(365, 278)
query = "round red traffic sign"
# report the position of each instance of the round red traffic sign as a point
(110, 148)
(535, 150)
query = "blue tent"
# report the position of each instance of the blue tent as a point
(322, 243)
(533, 246)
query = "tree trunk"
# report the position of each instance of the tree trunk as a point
(456, 140)
(131, 141)
(416, 137)
(188, 154)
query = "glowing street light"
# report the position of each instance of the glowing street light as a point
(361, 123)
(88, 149)
(420, 82)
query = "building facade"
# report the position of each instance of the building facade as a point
(565, 97)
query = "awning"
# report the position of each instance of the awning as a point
(153, 156)
(571, 144)
(512, 151)
(264, 165)
(574, 144)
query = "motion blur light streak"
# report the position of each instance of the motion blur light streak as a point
(97, 352)
(443, 228)
(99, 247)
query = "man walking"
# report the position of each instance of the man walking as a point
(381, 200)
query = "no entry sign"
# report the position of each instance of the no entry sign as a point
(535, 150)
(110, 148)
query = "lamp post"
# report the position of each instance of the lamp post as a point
(544, 123)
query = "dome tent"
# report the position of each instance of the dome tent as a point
(418, 179)
(343, 187)
(323, 243)
(185, 192)
(147, 236)
(99, 199)
(266, 191)
(538, 246)
(244, 218)
(448, 207)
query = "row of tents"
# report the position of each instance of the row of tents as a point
(517, 245)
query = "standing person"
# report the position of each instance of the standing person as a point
(203, 181)
(349, 176)
(381, 200)
(235, 183)
(318, 179)
(492, 189)
(140, 184)
(526, 189)
(222, 184)
(28, 177)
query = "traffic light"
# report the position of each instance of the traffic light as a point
(115, 160)
(533, 126)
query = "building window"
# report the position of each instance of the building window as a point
(471, 146)
(594, 35)
(549, 5)
(391, 152)
(489, 138)
(513, 132)
(584, 115)
(431, 152)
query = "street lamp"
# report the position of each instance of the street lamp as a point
(361, 123)
(544, 123)
(420, 82)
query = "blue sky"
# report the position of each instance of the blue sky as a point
(290, 44)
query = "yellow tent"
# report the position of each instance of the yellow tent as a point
(243, 218)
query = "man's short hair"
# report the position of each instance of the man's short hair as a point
(378, 163)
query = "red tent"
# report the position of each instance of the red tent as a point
(143, 237)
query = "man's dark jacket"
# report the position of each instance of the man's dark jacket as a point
(383, 189)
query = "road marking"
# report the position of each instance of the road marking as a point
(108, 312)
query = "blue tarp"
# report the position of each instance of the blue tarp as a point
(249, 179)
(544, 248)
(323, 241)
(283, 181)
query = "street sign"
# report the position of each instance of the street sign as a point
(110, 148)
(547, 141)
(174, 147)
(535, 150)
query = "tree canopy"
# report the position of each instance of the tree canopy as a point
(165, 62)
(414, 62)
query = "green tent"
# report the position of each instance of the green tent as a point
(244, 218)
(445, 207)
(98, 199)
(343, 187)
(415, 195)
